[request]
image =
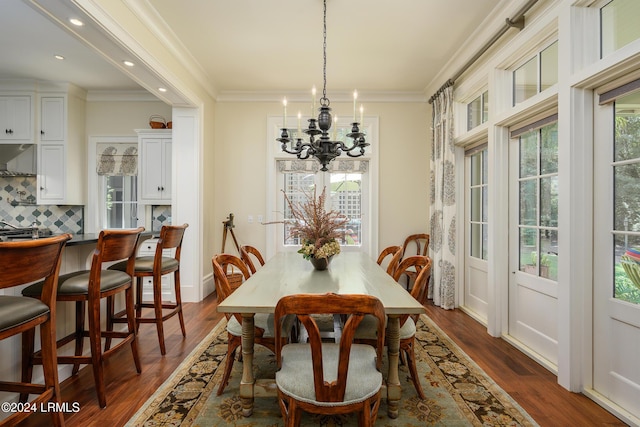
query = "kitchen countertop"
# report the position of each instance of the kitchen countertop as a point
(78, 239)
(92, 238)
(83, 239)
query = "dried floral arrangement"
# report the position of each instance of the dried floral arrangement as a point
(316, 227)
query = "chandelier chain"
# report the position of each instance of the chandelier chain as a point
(324, 56)
(320, 145)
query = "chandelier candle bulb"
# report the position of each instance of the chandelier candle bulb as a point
(355, 97)
(299, 127)
(361, 115)
(313, 104)
(284, 115)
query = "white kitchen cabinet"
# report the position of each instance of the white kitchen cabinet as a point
(51, 174)
(62, 146)
(16, 118)
(155, 166)
(52, 118)
(148, 248)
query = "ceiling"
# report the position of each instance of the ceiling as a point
(29, 41)
(265, 46)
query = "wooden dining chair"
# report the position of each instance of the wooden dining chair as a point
(156, 266)
(366, 333)
(247, 252)
(395, 252)
(87, 288)
(22, 263)
(263, 323)
(329, 378)
(414, 244)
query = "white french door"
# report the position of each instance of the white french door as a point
(533, 243)
(476, 287)
(616, 295)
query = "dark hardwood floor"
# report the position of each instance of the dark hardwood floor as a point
(531, 385)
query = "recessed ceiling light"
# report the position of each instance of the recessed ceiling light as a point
(128, 63)
(60, 57)
(161, 89)
(76, 22)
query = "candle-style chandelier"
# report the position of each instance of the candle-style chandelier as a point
(323, 148)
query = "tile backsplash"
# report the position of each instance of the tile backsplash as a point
(18, 207)
(160, 215)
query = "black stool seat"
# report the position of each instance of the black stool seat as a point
(18, 310)
(77, 283)
(144, 264)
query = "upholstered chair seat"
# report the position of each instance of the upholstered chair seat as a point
(260, 320)
(294, 379)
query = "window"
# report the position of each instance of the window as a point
(346, 192)
(478, 111)
(536, 75)
(626, 187)
(619, 26)
(478, 219)
(117, 167)
(538, 201)
(121, 201)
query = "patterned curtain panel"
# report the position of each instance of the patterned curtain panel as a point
(443, 203)
(312, 166)
(117, 159)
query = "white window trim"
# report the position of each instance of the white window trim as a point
(274, 153)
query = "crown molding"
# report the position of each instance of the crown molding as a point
(121, 96)
(305, 96)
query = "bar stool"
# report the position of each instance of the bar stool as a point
(25, 262)
(87, 288)
(157, 266)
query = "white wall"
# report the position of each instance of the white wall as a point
(240, 167)
(120, 118)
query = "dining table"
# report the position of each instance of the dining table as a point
(288, 273)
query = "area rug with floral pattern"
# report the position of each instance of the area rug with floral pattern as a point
(458, 392)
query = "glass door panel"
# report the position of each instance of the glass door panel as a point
(538, 202)
(626, 190)
(478, 195)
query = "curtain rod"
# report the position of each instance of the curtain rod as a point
(516, 22)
